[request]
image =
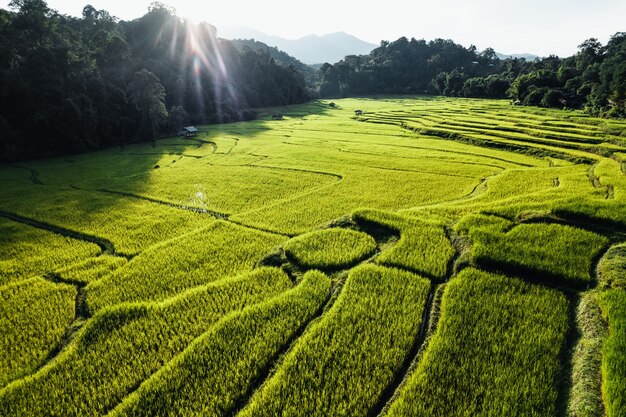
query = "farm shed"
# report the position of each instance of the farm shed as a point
(188, 132)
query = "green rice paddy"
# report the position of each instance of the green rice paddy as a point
(293, 267)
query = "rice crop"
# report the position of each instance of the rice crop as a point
(34, 316)
(495, 352)
(92, 269)
(479, 221)
(171, 313)
(423, 247)
(122, 346)
(613, 305)
(213, 374)
(376, 188)
(585, 397)
(612, 267)
(330, 248)
(337, 368)
(242, 186)
(557, 252)
(26, 251)
(218, 251)
(132, 225)
(594, 210)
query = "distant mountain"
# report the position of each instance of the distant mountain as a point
(312, 49)
(280, 57)
(527, 57)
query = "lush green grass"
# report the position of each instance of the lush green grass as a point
(92, 269)
(514, 191)
(34, 315)
(343, 364)
(434, 171)
(613, 359)
(242, 186)
(132, 225)
(26, 251)
(218, 368)
(122, 346)
(613, 268)
(594, 210)
(360, 188)
(585, 398)
(330, 248)
(609, 173)
(487, 222)
(495, 352)
(218, 251)
(556, 252)
(423, 247)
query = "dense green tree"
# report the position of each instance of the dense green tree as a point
(148, 94)
(85, 81)
(594, 78)
(408, 66)
(177, 118)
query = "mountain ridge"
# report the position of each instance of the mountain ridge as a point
(310, 49)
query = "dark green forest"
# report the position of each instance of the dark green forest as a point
(70, 85)
(593, 79)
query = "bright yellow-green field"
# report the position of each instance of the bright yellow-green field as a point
(471, 256)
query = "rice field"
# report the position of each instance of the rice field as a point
(491, 326)
(330, 248)
(429, 256)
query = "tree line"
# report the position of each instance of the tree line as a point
(593, 79)
(74, 84)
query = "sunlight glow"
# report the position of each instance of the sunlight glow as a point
(533, 26)
(201, 47)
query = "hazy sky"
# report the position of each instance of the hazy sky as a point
(540, 27)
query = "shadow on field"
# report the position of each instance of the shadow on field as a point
(70, 187)
(135, 173)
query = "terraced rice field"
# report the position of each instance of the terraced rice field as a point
(429, 257)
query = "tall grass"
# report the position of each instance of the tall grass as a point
(585, 396)
(213, 374)
(613, 305)
(34, 315)
(344, 363)
(122, 346)
(480, 221)
(330, 248)
(233, 188)
(92, 269)
(495, 352)
(423, 247)
(217, 251)
(597, 210)
(612, 268)
(555, 252)
(415, 166)
(362, 186)
(132, 225)
(26, 251)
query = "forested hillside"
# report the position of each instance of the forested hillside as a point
(74, 84)
(594, 78)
